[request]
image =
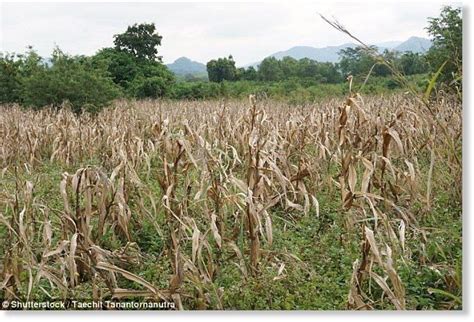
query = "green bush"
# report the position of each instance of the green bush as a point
(152, 87)
(195, 90)
(139, 78)
(122, 67)
(69, 79)
(10, 84)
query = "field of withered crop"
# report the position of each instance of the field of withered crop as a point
(343, 204)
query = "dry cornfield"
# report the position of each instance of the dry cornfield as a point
(342, 204)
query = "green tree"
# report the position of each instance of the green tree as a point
(382, 69)
(13, 69)
(68, 79)
(307, 69)
(195, 90)
(329, 73)
(134, 65)
(355, 61)
(249, 73)
(140, 40)
(154, 80)
(151, 87)
(412, 63)
(122, 66)
(359, 62)
(222, 69)
(446, 33)
(270, 70)
(289, 67)
(10, 79)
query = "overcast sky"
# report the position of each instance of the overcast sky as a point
(202, 31)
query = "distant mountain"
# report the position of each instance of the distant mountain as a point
(331, 53)
(414, 44)
(185, 66)
(388, 44)
(326, 54)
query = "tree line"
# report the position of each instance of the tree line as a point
(445, 30)
(353, 61)
(132, 68)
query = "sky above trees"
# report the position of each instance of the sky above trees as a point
(202, 31)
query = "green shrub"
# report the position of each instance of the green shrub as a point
(69, 79)
(152, 87)
(10, 81)
(195, 90)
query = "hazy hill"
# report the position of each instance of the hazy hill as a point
(331, 53)
(185, 66)
(414, 44)
(326, 54)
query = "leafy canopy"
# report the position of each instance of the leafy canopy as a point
(140, 40)
(222, 69)
(72, 79)
(446, 33)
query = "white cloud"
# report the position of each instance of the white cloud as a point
(202, 31)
